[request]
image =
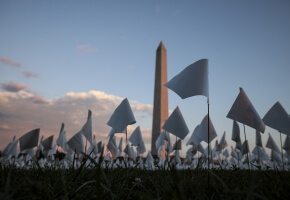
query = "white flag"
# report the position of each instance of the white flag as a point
(258, 139)
(236, 132)
(243, 111)
(137, 140)
(202, 132)
(223, 143)
(122, 116)
(193, 80)
(176, 125)
(76, 143)
(271, 144)
(277, 118)
(29, 140)
(87, 128)
(61, 140)
(177, 145)
(47, 143)
(193, 138)
(245, 147)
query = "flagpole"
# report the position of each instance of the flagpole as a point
(208, 147)
(282, 150)
(208, 132)
(247, 147)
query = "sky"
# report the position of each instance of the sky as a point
(60, 58)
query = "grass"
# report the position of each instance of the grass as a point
(98, 182)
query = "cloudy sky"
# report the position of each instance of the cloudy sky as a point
(60, 58)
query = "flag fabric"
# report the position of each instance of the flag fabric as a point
(176, 125)
(223, 143)
(47, 143)
(29, 140)
(160, 141)
(87, 128)
(244, 112)
(113, 131)
(177, 145)
(122, 116)
(202, 132)
(61, 140)
(234, 153)
(112, 147)
(193, 138)
(192, 81)
(258, 139)
(271, 144)
(120, 147)
(245, 147)
(137, 140)
(277, 118)
(76, 143)
(236, 132)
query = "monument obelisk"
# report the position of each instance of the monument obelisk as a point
(160, 107)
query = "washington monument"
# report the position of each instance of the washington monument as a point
(160, 106)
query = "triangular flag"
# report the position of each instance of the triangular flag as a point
(112, 147)
(236, 132)
(61, 140)
(176, 125)
(122, 116)
(193, 138)
(128, 151)
(87, 128)
(202, 132)
(136, 137)
(271, 144)
(113, 131)
(177, 145)
(245, 147)
(160, 140)
(243, 111)
(76, 143)
(137, 140)
(258, 139)
(277, 118)
(47, 143)
(193, 80)
(29, 140)
(223, 143)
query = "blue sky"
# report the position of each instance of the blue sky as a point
(55, 52)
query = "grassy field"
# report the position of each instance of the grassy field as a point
(132, 183)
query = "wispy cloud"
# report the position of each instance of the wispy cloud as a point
(86, 48)
(29, 74)
(13, 87)
(72, 109)
(10, 62)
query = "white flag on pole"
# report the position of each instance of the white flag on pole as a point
(122, 116)
(29, 140)
(277, 118)
(176, 125)
(193, 80)
(243, 111)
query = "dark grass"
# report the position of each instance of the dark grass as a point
(134, 183)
